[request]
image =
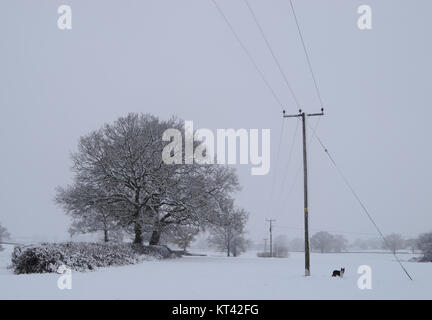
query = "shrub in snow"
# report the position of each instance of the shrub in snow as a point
(263, 254)
(161, 252)
(47, 257)
(281, 253)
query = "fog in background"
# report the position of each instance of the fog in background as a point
(180, 58)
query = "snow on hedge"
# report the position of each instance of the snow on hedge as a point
(48, 257)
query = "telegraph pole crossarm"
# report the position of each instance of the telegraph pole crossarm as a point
(316, 114)
(303, 116)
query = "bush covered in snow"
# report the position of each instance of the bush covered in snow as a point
(161, 252)
(263, 254)
(47, 257)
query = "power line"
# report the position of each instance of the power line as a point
(276, 60)
(225, 18)
(295, 99)
(362, 205)
(291, 151)
(272, 52)
(291, 189)
(306, 54)
(277, 158)
(248, 54)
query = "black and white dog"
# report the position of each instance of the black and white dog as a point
(337, 273)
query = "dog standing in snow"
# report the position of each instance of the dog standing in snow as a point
(337, 273)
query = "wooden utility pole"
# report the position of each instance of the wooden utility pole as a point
(265, 245)
(271, 236)
(303, 115)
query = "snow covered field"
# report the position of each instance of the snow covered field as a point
(218, 277)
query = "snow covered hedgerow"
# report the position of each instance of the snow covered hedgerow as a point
(47, 257)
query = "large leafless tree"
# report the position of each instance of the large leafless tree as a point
(119, 171)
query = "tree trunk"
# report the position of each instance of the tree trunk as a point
(137, 227)
(106, 239)
(155, 238)
(138, 233)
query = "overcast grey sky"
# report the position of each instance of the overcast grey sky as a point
(179, 57)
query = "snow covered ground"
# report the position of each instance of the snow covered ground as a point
(218, 277)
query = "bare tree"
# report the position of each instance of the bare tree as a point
(119, 171)
(182, 236)
(394, 242)
(4, 235)
(92, 221)
(121, 159)
(424, 243)
(412, 244)
(192, 197)
(339, 243)
(322, 241)
(89, 214)
(239, 244)
(228, 229)
(326, 242)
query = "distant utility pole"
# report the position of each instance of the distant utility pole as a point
(271, 236)
(265, 245)
(303, 115)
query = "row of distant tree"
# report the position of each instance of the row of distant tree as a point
(229, 236)
(326, 242)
